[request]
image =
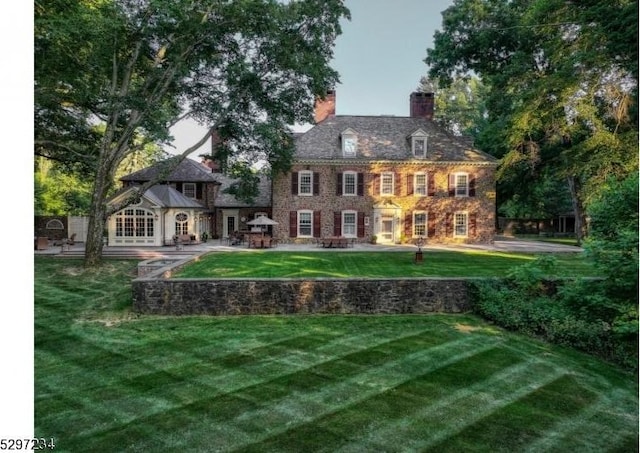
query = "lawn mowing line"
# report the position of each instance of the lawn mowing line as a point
(221, 385)
(589, 427)
(297, 408)
(450, 415)
(340, 348)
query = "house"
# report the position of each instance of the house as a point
(189, 201)
(395, 178)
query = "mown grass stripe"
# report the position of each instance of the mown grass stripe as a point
(298, 408)
(125, 404)
(449, 414)
(592, 428)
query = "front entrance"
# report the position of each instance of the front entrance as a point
(386, 223)
(386, 229)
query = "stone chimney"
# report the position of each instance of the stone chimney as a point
(421, 105)
(325, 107)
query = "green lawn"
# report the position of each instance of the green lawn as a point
(341, 264)
(108, 380)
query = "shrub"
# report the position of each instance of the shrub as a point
(569, 313)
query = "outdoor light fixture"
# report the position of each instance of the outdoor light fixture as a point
(420, 243)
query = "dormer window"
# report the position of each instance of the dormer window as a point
(419, 144)
(349, 143)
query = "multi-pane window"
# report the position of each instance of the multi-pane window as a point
(420, 184)
(134, 222)
(349, 223)
(386, 184)
(419, 146)
(182, 224)
(349, 179)
(305, 223)
(189, 189)
(460, 224)
(419, 224)
(462, 184)
(305, 183)
(349, 144)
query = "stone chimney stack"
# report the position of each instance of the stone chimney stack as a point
(421, 105)
(325, 107)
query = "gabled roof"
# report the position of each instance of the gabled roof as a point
(187, 171)
(226, 200)
(384, 138)
(161, 195)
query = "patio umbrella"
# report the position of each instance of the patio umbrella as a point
(262, 221)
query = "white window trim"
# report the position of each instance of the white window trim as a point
(393, 184)
(355, 223)
(192, 185)
(305, 211)
(415, 185)
(414, 142)
(300, 175)
(426, 224)
(466, 224)
(355, 183)
(133, 214)
(349, 135)
(466, 188)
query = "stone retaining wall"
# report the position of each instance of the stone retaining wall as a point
(168, 296)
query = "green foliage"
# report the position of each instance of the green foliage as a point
(613, 241)
(245, 188)
(575, 313)
(560, 101)
(139, 67)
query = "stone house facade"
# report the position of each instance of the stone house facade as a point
(396, 178)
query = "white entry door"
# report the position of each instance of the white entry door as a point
(386, 229)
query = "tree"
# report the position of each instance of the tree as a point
(246, 68)
(562, 87)
(459, 106)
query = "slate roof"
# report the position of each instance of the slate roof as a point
(162, 195)
(187, 171)
(384, 138)
(225, 200)
(167, 197)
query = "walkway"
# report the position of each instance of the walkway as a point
(501, 244)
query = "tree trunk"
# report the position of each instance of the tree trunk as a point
(578, 209)
(94, 243)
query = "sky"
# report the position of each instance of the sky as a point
(379, 57)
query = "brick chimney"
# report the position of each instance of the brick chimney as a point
(421, 105)
(214, 165)
(325, 107)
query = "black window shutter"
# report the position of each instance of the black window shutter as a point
(199, 190)
(472, 225)
(408, 225)
(431, 184)
(398, 184)
(361, 224)
(316, 183)
(472, 185)
(431, 226)
(316, 224)
(360, 185)
(409, 184)
(339, 184)
(294, 183)
(293, 224)
(337, 223)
